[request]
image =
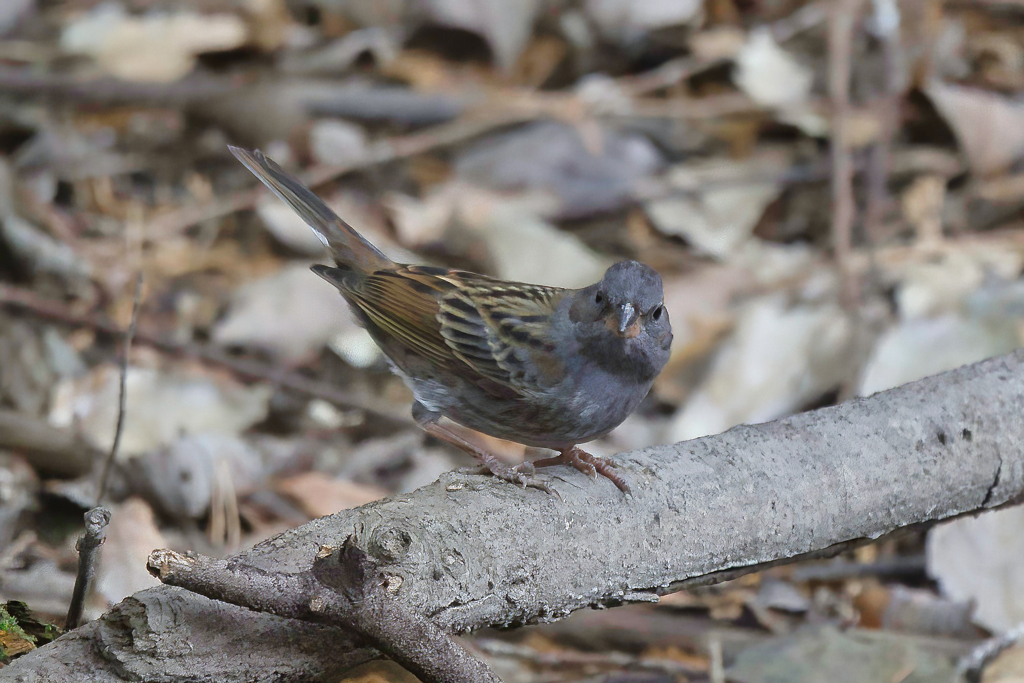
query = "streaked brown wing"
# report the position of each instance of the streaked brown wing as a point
(403, 303)
(482, 329)
(502, 330)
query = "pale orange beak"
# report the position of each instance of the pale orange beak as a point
(627, 325)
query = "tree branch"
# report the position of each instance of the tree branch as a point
(471, 551)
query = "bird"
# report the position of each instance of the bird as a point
(542, 366)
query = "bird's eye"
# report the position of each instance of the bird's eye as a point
(599, 298)
(656, 313)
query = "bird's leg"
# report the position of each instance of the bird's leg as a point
(590, 465)
(428, 422)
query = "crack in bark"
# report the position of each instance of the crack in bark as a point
(995, 482)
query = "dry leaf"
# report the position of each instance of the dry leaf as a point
(292, 313)
(378, 671)
(988, 126)
(162, 406)
(131, 536)
(156, 47)
(978, 559)
(728, 203)
(770, 75)
(320, 495)
(923, 347)
(922, 205)
(1008, 667)
(779, 359)
(625, 17)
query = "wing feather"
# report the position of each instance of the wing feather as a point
(482, 329)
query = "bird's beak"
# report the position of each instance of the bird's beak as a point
(629, 321)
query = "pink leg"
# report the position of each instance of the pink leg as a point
(520, 476)
(590, 465)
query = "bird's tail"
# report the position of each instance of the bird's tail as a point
(348, 247)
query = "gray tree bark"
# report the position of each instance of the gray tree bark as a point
(471, 551)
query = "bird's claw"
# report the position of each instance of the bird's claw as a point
(520, 475)
(593, 465)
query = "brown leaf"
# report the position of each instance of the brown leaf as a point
(131, 536)
(379, 671)
(1007, 668)
(320, 494)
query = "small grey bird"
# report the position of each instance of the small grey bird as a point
(541, 366)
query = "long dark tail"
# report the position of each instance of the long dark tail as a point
(348, 247)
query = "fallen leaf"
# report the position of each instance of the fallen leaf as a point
(728, 203)
(825, 654)
(778, 359)
(42, 252)
(978, 559)
(156, 47)
(288, 227)
(625, 18)
(1007, 667)
(919, 348)
(988, 126)
(161, 406)
(525, 248)
(320, 494)
(922, 204)
(131, 536)
(378, 671)
(292, 313)
(922, 612)
(554, 158)
(770, 75)
(180, 479)
(943, 283)
(336, 142)
(13, 12)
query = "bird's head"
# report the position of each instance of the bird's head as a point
(622, 322)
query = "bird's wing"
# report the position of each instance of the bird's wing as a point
(493, 333)
(503, 330)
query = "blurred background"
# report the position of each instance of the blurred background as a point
(831, 191)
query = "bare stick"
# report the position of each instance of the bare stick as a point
(96, 521)
(345, 588)
(972, 666)
(101, 487)
(840, 37)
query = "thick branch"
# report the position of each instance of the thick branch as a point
(472, 551)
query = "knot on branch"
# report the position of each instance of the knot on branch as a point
(349, 570)
(389, 544)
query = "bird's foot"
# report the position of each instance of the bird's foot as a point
(591, 465)
(520, 475)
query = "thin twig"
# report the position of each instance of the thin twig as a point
(112, 91)
(971, 667)
(101, 487)
(96, 521)
(842, 23)
(879, 161)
